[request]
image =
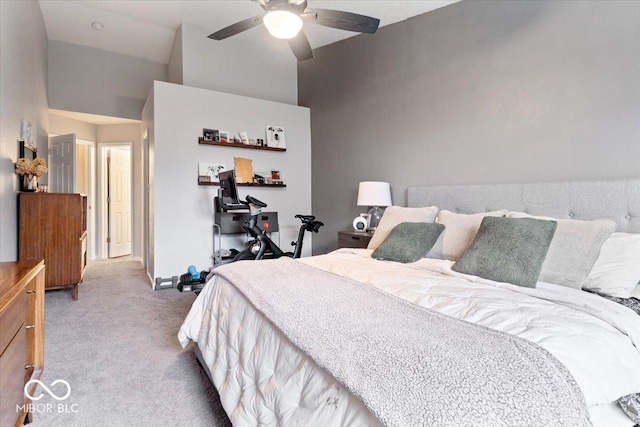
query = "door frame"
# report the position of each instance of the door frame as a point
(103, 212)
(92, 230)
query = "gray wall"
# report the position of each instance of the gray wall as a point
(23, 90)
(95, 81)
(475, 92)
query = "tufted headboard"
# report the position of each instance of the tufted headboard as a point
(616, 200)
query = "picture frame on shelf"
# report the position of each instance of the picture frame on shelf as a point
(244, 138)
(260, 142)
(211, 134)
(208, 172)
(275, 137)
(276, 177)
(224, 136)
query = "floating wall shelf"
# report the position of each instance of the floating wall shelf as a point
(243, 184)
(203, 141)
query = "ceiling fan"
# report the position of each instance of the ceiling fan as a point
(284, 20)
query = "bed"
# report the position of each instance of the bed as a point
(273, 365)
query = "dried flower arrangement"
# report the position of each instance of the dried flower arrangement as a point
(36, 167)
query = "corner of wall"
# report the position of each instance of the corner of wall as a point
(175, 59)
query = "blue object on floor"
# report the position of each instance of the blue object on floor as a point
(195, 275)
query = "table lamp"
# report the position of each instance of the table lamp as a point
(376, 194)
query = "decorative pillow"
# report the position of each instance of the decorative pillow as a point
(460, 229)
(616, 272)
(508, 250)
(574, 249)
(408, 241)
(394, 215)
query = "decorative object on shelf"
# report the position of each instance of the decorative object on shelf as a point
(275, 137)
(208, 172)
(30, 170)
(275, 177)
(244, 137)
(252, 141)
(244, 170)
(224, 136)
(260, 142)
(211, 134)
(376, 194)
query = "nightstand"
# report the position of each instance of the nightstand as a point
(354, 239)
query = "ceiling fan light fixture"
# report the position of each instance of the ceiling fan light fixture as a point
(283, 24)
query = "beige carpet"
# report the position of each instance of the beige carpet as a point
(117, 348)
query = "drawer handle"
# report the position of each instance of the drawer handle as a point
(32, 291)
(355, 237)
(29, 366)
(30, 326)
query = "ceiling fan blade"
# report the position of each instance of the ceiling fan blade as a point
(236, 28)
(345, 20)
(301, 47)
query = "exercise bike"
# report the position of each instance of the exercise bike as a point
(262, 247)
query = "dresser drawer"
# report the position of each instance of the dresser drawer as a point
(352, 239)
(11, 319)
(12, 383)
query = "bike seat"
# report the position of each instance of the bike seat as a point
(254, 201)
(306, 218)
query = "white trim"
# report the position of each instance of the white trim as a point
(102, 191)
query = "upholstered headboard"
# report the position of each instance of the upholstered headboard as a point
(616, 200)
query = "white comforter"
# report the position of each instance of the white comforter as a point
(264, 379)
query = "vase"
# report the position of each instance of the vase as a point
(29, 182)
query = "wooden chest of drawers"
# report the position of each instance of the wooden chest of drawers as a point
(53, 227)
(21, 335)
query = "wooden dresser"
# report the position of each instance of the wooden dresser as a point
(53, 227)
(21, 335)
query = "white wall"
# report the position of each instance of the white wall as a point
(127, 133)
(183, 210)
(236, 66)
(148, 185)
(89, 80)
(60, 125)
(23, 90)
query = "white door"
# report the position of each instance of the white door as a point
(62, 163)
(119, 201)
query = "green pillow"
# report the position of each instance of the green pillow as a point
(408, 241)
(508, 250)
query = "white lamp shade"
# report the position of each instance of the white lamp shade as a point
(282, 24)
(374, 193)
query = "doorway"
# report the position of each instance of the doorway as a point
(116, 189)
(78, 176)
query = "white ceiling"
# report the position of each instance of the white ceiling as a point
(146, 28)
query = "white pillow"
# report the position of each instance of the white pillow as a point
(459, 232)
(616, 272)
(573, 250)
(394, 215)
